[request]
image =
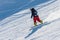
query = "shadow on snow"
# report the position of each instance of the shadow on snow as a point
(40, 26)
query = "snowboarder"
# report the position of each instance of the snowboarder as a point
(35, 16)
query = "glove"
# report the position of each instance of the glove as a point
(31, 16)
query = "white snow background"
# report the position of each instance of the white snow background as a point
(17, 26)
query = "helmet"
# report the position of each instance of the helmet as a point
(32, 8)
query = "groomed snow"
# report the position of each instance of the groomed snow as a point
(17, 26)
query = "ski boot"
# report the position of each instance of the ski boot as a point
(41, 21)
(35, 24)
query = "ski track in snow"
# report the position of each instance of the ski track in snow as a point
(39, 26)
(21, 27)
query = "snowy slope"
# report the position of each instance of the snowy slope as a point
(50, 29)
(9, 7)
(16, 27)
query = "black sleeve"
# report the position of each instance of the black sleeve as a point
(31, 15)
(35, 11)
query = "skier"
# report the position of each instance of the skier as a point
(35, 17)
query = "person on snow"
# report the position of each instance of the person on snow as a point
(35, 16)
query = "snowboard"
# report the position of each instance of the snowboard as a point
(38, 26)
(34, 27)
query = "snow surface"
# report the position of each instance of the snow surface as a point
(17, 26)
